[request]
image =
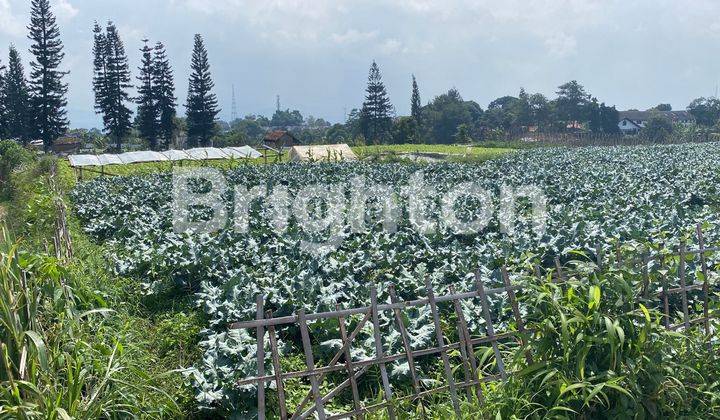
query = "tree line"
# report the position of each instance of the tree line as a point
(34, 107)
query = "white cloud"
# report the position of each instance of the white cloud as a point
(10, 24)
(352, 36)
(561, 44)
(391, 46)
(64, 10)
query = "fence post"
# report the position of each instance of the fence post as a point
(277, 368)
(310, 362)
(406, 346)
(516, 312)
(484, 303)
(441, 345)
(379, 352)
(260, 358)
(469, 350)
(349, 363)
(461, 344)
(683, 285)
(706, 285)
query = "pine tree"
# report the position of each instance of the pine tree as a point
(415, 106)
(202, 104)
(147, 114)
(111, 81)
(16, 99)
(99, 68)
(47, 90)
(415, 111)
(375, 117)
(164, 93)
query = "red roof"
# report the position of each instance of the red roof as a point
(276, 135)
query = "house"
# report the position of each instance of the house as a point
(67, 144)
(280, 139)
(631, 122)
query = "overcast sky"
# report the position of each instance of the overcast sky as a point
(315, 54)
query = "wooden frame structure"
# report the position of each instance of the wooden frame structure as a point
(472, 374)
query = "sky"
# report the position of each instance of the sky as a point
(316, 54)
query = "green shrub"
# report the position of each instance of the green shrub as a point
(600, 353)
(12, 156)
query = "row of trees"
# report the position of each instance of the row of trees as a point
(35, 108)
(156, 101)
(448, 118)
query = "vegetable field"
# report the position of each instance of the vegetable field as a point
(594, 195)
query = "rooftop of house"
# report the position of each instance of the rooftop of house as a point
(276, 135)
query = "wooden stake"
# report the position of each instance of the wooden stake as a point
(260, 359)
(406, 346)
(516, 312)
(489, 325)
(441, 343)
(310, 362)
(681, 272)
(349, 364)
(379, 352)
(706, 284)
(277, 368)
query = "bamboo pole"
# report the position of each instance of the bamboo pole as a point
(441, 343)
(310, 362)
(260, 358)
(379, 352)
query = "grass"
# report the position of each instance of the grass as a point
(122, 360)
(454, 152)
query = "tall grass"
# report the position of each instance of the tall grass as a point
(601, 351)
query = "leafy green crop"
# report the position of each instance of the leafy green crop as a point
(602, 195)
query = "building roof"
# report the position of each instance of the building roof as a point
(276, 135)
(645, 115)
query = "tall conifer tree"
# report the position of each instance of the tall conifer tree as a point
(164, 93)
(202, 104)
(416, 112)
(147, 114)
(99, 68)
(376, 114)
(47, 89)
(111, 83)
(415, 105)
(16, 99)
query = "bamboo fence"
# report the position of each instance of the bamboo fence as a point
(468, 377)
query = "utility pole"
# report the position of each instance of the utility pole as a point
(277, 103)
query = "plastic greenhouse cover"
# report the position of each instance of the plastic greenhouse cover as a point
(203, 153)
(83, 160)
(241, 152)
(109, 160)
(144, 156)
(200, 153)
(175, 155)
